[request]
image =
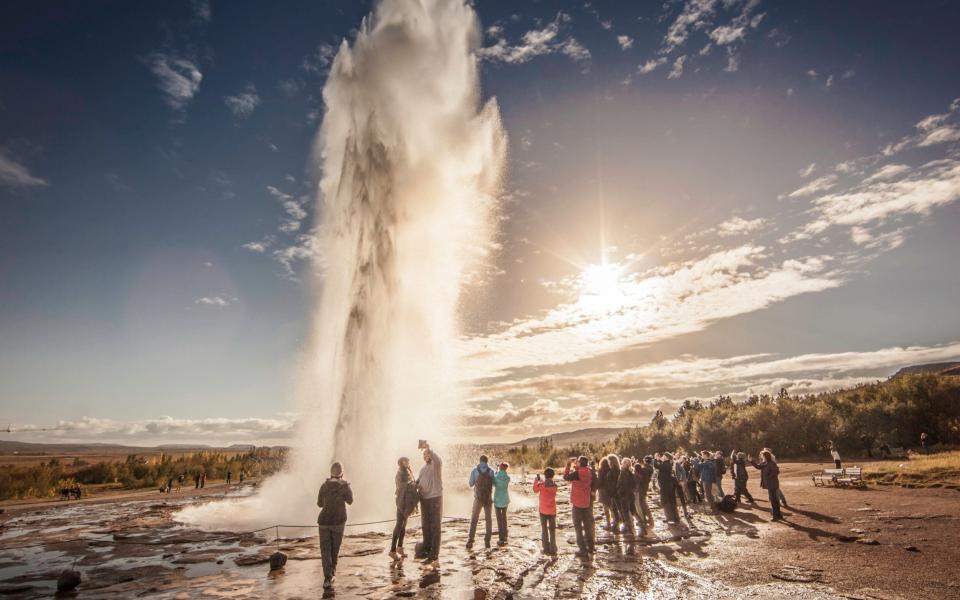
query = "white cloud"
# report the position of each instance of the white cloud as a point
(739, 226)
(650, 65)
(821, 184)
(625, 42)
(243, 104)
(934, 184)
(677, 69)
(931, 131)
(536, 42)
(694, 15)
(178, 78)
(886, 172)
(258, 247)
(649, 307)
(214, 301)
(319, 62)
(808, 170)
(15, 174)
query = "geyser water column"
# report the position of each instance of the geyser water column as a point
(411, 164)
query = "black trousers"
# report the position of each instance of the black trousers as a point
(331, 536)
(501, 523)
(626, 512)
(398, 530)
(740, 489)
(583, 525)
(431, 515)
(548, 533)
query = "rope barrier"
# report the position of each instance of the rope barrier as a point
(239, 535)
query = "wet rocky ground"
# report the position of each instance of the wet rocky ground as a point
(134, 549)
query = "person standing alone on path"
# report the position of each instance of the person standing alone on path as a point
(430, 483)
(578, 473)
(501, 499)
(481, 480)
(546, 488)
(333, 497)
(835, 454)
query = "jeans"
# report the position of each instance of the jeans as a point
(548, 533)
(501, 523)
(643, 509)
(431, 514)
(486, 505)
(398, 530)
(682, 498)
(774, 503)
(783, 499)
(330, 538)
(720, 488)
(708, 495)
(583, 525)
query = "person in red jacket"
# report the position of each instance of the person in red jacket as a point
(578, 473)
(547, 490)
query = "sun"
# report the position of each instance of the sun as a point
(602, 285)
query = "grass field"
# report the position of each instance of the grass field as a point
(934, 470)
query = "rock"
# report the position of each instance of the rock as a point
(248, 560)
(479, 594)
(68, 580)
(798, 574)
(868, 542)
(277, 560)
(911, 549)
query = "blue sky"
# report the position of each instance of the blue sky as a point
(772, 187)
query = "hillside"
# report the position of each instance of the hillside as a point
(944, 368)
(592, 435)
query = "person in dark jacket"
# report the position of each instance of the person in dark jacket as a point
(663, 463)
(334, 496)
(625, 500)
(482, 482)
(401, 481)
(642, 475)
(770, 480)
(738, 463)
(610, 483)
(604, 497)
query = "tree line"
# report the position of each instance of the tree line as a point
(47, 478)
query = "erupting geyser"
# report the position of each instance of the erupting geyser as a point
(411, 163)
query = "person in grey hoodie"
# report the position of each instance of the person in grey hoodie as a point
(334, 495)
(481, 480)
(430, 482)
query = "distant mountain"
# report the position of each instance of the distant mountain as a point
(592, 435)
(28, 448)
(944, 368)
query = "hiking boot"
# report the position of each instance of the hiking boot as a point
(470, 545)
(395, 556)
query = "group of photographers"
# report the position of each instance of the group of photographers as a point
(621, 484)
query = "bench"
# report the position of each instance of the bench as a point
(826, 477)
(852, 477)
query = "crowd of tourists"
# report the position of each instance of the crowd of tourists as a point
(621, 485)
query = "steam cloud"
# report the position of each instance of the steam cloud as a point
(411, 165)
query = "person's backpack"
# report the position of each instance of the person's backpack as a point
(727, 504)
(484, 485)
(411, 497)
